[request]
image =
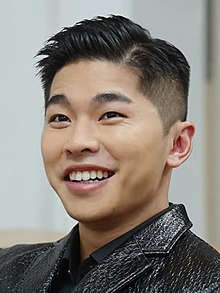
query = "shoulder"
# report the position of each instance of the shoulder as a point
(27, 252)
(196, 263)
(23, 249)
(28, 263)
(200, 250)
(15, 261)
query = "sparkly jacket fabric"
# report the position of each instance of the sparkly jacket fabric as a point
(161, 258)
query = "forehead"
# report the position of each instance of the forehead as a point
(94, 76)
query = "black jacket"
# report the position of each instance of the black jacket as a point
(164, 257)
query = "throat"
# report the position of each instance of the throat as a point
(92, 239)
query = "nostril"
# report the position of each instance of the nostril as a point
(78, 148)
(85, 150)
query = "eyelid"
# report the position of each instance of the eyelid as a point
(118, 115)
(53, 117)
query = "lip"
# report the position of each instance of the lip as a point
(84, 187)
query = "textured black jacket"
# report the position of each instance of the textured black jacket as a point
(164, 257)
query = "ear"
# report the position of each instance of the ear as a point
(182, 144)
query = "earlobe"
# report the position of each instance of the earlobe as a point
(182, 144)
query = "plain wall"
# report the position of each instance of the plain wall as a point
(26, 199)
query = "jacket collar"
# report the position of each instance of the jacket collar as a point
(162, 234)
(129, 260)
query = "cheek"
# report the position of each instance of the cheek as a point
(50, 148)
(132, 143)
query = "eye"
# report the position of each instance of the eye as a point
(59, 118)
(111, 115)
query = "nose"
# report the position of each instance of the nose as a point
(81, 138)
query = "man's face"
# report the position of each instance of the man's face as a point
(103, 145)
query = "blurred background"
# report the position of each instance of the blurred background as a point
(26, 199)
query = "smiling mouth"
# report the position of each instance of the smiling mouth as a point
(89, 176)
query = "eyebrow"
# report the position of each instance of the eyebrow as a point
(57, 100)
(101, 98)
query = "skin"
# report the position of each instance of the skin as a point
(124, 135)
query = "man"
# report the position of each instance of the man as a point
(115, 127)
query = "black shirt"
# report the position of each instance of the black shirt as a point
(72, 270)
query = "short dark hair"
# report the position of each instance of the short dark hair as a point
(162, 69)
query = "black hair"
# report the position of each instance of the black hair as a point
(162, 69)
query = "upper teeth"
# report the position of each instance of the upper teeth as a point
(87, 175)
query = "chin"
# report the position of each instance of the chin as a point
(88, 216)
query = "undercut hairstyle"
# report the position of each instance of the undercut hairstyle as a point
(162, 70)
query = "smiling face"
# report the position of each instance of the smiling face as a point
(103, 145)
